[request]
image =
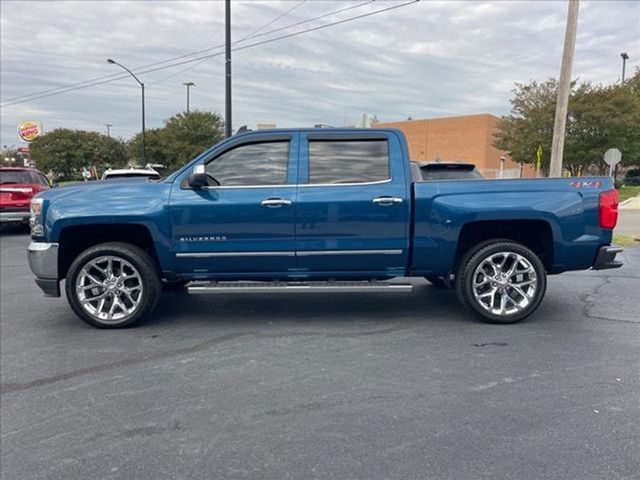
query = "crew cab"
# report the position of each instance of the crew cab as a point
(18, 185)
(316, 209)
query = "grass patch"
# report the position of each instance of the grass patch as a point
(624, 240)
(68, 182)
(628, 192)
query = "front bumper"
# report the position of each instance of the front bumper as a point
(14, 216)
(606, 258)
(43, 262)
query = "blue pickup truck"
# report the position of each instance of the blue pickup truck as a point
(316, 210)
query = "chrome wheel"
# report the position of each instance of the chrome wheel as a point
(109, 289)
(504, 283)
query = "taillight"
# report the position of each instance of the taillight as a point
(608, 208)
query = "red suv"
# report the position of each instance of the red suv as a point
(17, 186)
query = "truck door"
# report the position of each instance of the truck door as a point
(246, 223)
(352, 207)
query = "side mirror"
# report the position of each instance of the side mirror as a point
(198, 177)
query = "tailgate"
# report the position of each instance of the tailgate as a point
(15, 196)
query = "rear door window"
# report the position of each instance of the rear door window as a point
(348, 161)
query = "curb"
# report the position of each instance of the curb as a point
(626, 205)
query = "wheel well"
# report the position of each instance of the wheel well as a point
(75, 239)
(534, 234)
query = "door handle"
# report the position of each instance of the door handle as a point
(386, 200)
(275, 202)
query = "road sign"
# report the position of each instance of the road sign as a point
(612, 157)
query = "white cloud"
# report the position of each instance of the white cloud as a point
(427, 59)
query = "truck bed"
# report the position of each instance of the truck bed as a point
(567, 207)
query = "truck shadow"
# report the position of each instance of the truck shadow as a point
(424, 302)
(14, 231)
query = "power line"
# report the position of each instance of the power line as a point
(117, 76)
(271, 22)
(243, 47)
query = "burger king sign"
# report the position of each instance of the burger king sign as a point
(29, 130)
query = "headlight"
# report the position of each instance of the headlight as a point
(35, 217)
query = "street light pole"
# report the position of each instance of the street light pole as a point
(625, 57)
(227, 100)
(108, 125)
(109, 60)
(188, 85)
(564, 89)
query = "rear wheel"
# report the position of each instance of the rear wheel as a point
(113, 285)
(501, 282)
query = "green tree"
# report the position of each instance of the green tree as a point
(65, 152)
(182, 138)
(599, 118)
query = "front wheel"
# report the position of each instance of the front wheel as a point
(501, 282)
(113, 285)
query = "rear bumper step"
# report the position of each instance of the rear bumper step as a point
(296, 287)
(606, 258)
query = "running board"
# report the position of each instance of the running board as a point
(296, 287)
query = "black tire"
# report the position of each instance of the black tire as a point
(149, 279)
(437, 282)
(484, 252)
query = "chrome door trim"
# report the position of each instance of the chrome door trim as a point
(293, 185)
(229, 187)
(305, 253)
(377, 182)
(234, 254)
(309, 253)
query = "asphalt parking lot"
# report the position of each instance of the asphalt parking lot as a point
(348, 386)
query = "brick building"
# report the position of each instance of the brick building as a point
(468, 138)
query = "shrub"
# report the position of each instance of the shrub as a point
(632, 181)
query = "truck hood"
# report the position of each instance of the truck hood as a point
(95, 190)
(107, 202)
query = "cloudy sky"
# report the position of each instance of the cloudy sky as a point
(428, 59)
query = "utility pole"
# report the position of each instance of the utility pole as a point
(564, 89)
(188, 85)
(108, 125)
(227, 96)
(625, 57)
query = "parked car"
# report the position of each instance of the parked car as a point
(18, 185)
(326, 210)
(438, 170)
(119, 173)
